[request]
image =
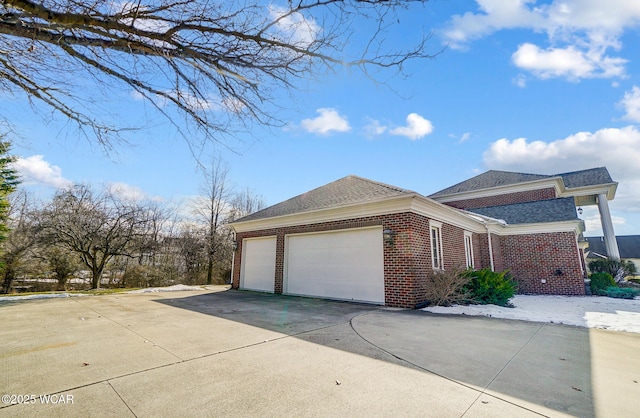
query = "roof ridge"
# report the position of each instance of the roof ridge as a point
(388, 186)
(580, 171)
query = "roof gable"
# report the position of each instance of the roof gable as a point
(488, 180)
(494, 178)
(346, 191)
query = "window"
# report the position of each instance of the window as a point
(436, 245)
(468, 248)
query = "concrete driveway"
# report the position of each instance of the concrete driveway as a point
(234, 353)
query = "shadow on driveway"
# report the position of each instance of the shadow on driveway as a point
(543, 369)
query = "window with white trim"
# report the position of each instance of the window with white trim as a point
(468, 248)
(436, 245)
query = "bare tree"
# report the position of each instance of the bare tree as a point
(96, 226)
(244, 203)
(211, 208)
(187, 58)
(24, 234)
(191, 244)
(61, 261)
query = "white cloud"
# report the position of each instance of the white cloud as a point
(579, 33)
(568, 62)
(132, 193)
(126, 191)
(35, 170)
(616, 149)
(374, 128)
(195, 103)
(417, 127)
(465, 136)
(328, 121)
(294, 28)
(593, 225)
(631, 104)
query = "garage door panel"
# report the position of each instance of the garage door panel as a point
(343, 265)
(259, 264)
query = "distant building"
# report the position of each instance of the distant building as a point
(628, 245)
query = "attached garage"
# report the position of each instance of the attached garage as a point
(344, 264)
(259, 268)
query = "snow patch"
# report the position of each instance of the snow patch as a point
(42, 296)
(174, 288)
(588, 311)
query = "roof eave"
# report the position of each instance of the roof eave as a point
(369, 208)
(555, 182)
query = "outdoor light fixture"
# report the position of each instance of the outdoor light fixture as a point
(234, 245)
(388, 236)
(579, 211)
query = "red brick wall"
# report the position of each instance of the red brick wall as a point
(537, 257)
(505, 199)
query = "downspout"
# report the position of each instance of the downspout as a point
(233, 256)
(490, 247)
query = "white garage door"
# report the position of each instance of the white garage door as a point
(342, 265)
(258, 264)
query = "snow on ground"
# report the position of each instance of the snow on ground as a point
(588, 311)
(174, 288)
(41, 296)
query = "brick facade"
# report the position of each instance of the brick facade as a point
(407, 262)
(505, 199)
(553, 258)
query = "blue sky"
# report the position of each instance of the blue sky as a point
(530, 86)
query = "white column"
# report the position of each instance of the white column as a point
(607, 227)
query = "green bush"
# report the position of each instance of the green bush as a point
(612, 266)
(489, 287)
(600, 282)
(621, 292)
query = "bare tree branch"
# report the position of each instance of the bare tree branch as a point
(217, 65)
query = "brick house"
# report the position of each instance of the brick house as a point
(361, 240)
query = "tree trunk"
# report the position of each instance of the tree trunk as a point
(210, 269)
(9, 276)
(95, 279)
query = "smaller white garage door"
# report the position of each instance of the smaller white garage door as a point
(258, 264)
(345, 264)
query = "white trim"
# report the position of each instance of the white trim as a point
(468, 249)
(435, 226)
(576, 226)
(490, 249)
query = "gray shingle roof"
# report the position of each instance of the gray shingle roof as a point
(628, 245)
(553, 210)
(494, 178)
(588, 177)
(345, 191)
